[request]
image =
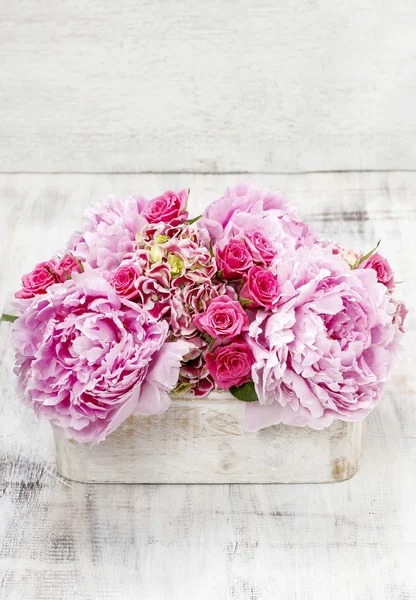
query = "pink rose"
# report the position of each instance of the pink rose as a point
(224, 318)
(260, 248)
(39, 280)
(382, 268)
(261, 288)
(124, 280)
(66, 266)
(230, 365)
(234, 260)
(167, 208)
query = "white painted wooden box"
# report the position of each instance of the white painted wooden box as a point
(204, 441)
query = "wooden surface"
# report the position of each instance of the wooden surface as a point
(348, 541)
(204, 441)
(145, 85)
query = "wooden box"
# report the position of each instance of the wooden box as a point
(204, 441)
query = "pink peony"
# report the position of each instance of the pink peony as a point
(246, 209)
(170, 207)
(382, 268)
(230, 365)
(328, 347)
(39, 280)
(224, 318)
(261, 288)
(234, 259)
(67, 265)
(87, 359)
(109, 233)
(399, 316)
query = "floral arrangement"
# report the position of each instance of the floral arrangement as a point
(144, 303)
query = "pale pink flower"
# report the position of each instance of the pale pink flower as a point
(326, 351)
(109, 233)
(87, 359)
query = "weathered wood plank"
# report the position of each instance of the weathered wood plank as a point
(352, 541)
(139, 85)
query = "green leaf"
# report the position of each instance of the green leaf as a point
(245, 302)
(8, 318)
(361, 259)
(245, 392)
(190, 221)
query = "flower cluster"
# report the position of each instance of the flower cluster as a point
(144, 303)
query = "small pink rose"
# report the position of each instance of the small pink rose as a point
(224, 318)
(66, 266)
(39, 280)
(261, 249)
(261, 288)
(230, 365)
(124, 281)
(382, 268)
(167, 208)
(234, 260)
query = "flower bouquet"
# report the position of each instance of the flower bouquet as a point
(147, 310)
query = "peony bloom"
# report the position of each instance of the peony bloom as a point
(170, 207)
(328, 347)
(39, 280)
(224, 318)
(248, 209)
(230, 365)
(399, 316)
(261, 288)
(380, 265)
(109, 233)
(87, 359)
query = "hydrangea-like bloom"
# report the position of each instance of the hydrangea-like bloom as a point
(87, 359)
(109, 232)
(327, 349)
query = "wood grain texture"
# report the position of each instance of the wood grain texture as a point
(204, 441)
(351, 541)
(143, 85)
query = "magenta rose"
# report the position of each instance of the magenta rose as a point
(382, 268)
(167, 208)
(260, 248)
(234, 260)
(224, 318)
(261, 288)
(39, 280)
(124, 280)
(66, 266)
(230, 365)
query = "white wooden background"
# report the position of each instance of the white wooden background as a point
(249, 85)
(346, 541)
